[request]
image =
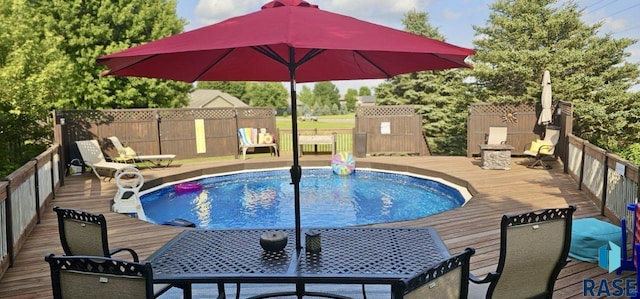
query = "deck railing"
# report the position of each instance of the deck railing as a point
(23, 193)
(344, 140)
(610, 181)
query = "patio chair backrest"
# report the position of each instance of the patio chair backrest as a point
(84, 233)
(552, 136)
(99, 277)
(90, 151)
(447, 280)
(497, 135)
(533, 249)
(121, 148)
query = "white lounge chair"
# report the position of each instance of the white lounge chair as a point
(93, 157)
(249, 137)
(157, 160)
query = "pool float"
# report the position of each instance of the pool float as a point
(187, 187)
(343, 164)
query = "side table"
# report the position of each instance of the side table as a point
(496, 156)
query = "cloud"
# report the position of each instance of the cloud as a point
(383, 12)
(451, 15)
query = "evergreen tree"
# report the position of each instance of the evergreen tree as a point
(94, 28)
(350, 98)
(236, 89)
(326, 94)
(440, 97)
(306, 96)
(523, 38)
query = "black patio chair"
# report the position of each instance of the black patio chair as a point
(447, 280)
(534, 247)
(84, 233)
(101, 278)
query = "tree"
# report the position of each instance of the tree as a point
(364, 91)
(33, 76)
(236, 89)
(524, 38)
(326, 94)
(350, 98)
(306, 96)
(441, 97)
(94, 28)
(269, 94)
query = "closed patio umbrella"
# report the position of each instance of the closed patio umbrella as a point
(545, 99)
(292, 41)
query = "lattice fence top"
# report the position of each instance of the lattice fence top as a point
(107, 115)
(566, 107)
(197, 113)
(255, 112)
(104, 116)
(400, 110)
(500, 108)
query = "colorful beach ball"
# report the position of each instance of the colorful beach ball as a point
(343, 164)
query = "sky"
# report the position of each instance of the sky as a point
(453, 18)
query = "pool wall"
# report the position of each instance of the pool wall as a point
(241, 166)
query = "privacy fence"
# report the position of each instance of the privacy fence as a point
(212, 132)
(187, 133)
(389, 130)
(522, 125)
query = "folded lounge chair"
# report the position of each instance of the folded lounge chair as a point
(93, 157)
(157, 160)
(534, 247)
(251, 138)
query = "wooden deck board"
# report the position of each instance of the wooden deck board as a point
(474, 225)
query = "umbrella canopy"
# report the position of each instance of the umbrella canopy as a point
(545, 99)
(287, 40)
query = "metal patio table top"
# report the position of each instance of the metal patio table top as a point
(353, 255)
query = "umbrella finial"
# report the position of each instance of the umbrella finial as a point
(280, 3)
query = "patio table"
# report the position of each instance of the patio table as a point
(348, 256)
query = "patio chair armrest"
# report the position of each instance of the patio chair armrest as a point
(546, 147)
(487, 279)
(131, 251)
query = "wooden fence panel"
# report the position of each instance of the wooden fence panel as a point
(391, 129)
(161, 131)
(521, 121)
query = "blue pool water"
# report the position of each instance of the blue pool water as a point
(264, 199)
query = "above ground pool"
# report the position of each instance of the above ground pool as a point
(264, 199)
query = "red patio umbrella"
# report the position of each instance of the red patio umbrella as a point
(287, 40)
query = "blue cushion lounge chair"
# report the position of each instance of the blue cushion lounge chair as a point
(250, 138)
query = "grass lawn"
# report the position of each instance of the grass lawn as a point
(346, 121)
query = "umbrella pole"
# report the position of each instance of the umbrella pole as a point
(296, 170)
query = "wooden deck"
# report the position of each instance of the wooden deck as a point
(476, 224)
